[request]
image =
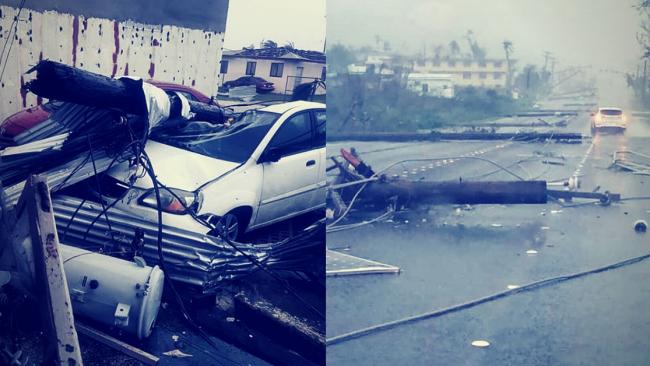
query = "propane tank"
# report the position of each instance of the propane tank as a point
(113, 291)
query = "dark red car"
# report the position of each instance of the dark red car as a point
(261, 85)
(188, 92)
(30, 117)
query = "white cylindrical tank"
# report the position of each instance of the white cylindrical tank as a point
(113, 291)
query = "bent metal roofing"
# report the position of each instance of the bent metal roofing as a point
(278, 53)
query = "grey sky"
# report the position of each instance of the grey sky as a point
(299, 21)
(579, 32)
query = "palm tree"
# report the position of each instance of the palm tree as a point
(454, 48)
(507, 47)
(437, 51)
(377, 41)
(289, 45)
(269, 44)
(469, 36)
(478, 53)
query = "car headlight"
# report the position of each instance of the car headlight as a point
(174, 202)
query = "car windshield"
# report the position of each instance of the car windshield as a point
(235, 143)
(611, 112)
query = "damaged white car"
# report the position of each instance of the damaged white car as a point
(266, 167)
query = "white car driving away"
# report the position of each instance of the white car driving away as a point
(266, 167)
(608, 118)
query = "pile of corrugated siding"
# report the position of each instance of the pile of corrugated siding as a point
(191, 257)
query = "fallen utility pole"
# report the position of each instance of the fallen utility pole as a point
(544, 113)
(458, 192)
(435, 136)
(533, 124)
(379, 189)
(57, 81)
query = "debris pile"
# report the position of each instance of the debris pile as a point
(111, 255)
(96, 123)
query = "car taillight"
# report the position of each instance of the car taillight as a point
(174, 202)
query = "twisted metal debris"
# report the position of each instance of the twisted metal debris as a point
(191, 257)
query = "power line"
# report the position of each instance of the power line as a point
(13, 38)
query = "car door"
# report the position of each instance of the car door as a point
(320, 128)
(289, 184)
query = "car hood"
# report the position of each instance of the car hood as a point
(176, 168)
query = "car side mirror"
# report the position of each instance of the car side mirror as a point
(271, 155)
(592, 114)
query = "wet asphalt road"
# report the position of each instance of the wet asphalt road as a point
(450, 255)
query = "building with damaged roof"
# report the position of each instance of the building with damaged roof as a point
(284, 67)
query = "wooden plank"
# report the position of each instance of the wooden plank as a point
(125, 348)
(50, 280)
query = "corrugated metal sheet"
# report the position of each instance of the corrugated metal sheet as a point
(161, 52)
(193, 258)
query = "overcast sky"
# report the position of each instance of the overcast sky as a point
(299, 21)
(579, 32)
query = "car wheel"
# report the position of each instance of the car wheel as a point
(229, 226)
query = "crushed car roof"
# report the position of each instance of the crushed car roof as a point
(285, 107)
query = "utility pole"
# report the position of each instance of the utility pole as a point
(547, 56)
(507, 47)
(645, 80)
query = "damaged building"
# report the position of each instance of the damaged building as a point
(179, 42)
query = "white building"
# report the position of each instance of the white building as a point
(284, 67)
(488, 73)
(435, 85)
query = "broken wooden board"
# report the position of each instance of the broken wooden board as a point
(339, 264)
(35, 207)
(116, 344)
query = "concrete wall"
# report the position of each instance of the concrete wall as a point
(112, 47)
(237, 69)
